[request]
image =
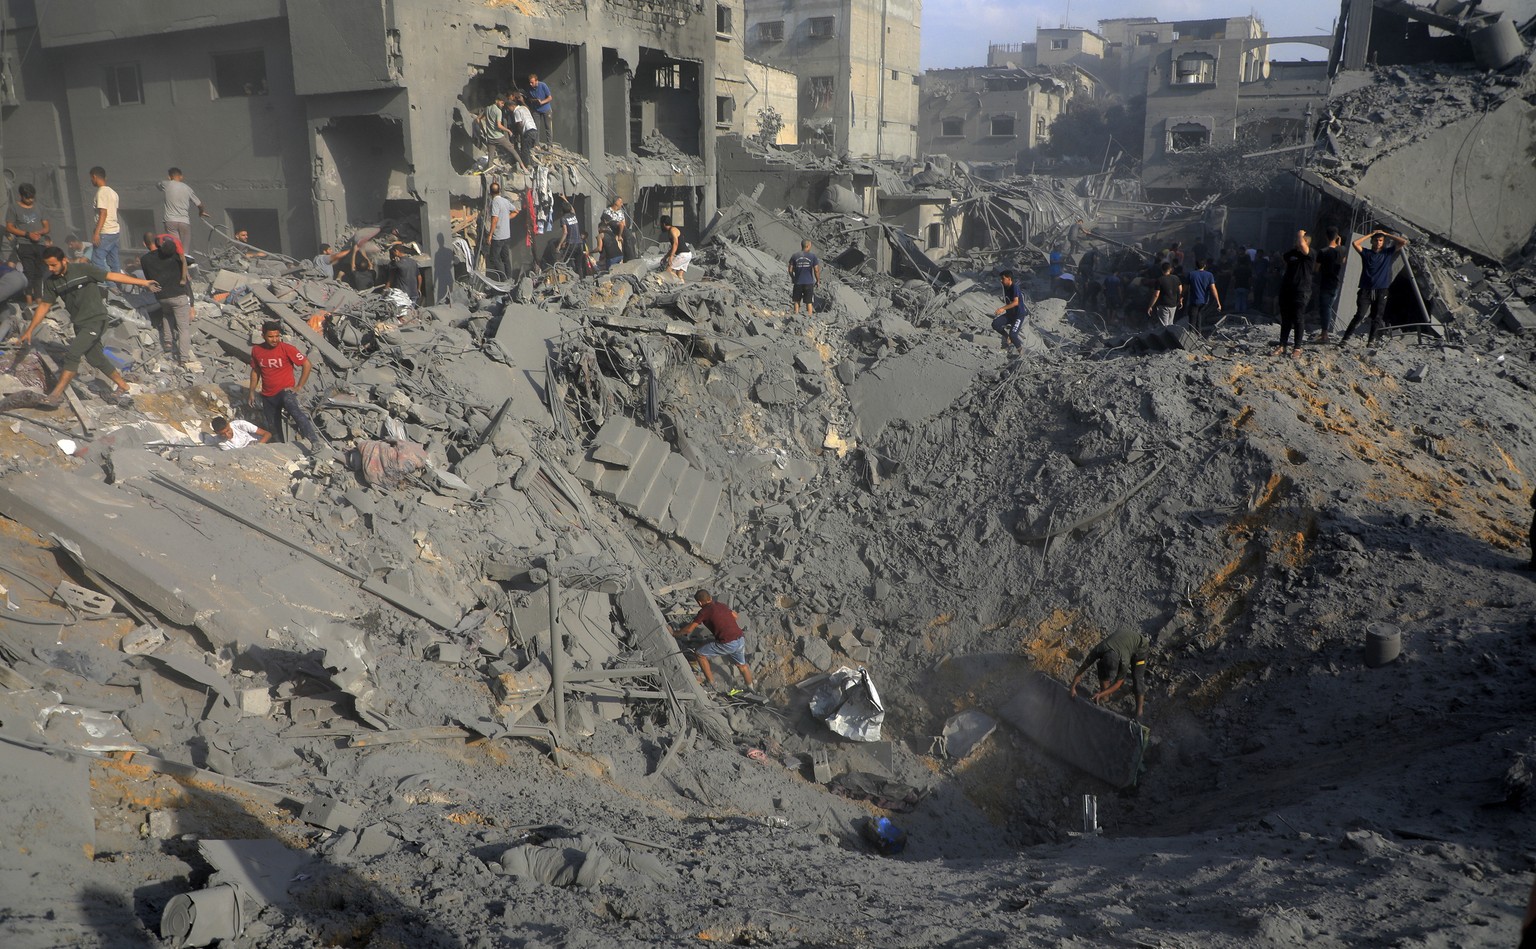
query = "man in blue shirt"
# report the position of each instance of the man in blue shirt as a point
(541, 101)
(805, 274)
(1202, 294)
(1009, 318)
(1375, 277)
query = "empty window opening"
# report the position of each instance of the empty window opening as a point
(935, 235)
(723, 19)
(124, 85)
(1188, 137)
(771, 32)
(1041, 133)
(1060, 43)
(361, 167)
(664, 99)
(239, 74)
(822, 27)
(1146, 39)
(1002, 126)
(134, 223)
(725, 111)
(952, 127)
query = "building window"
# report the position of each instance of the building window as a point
(239, 74)
(771, 32)
(1040, 128)
(723, 19)
(895, 76)
(952, 126)
(935, 235)
(725, 111)
(1194, 69)
(1146, 39)
(820, 89)
(823, 27)
(1002, 126)
(1187, 137)
(1059, 43)
(124, 85)
(669, 76)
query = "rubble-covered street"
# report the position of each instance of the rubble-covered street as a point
(414, 682)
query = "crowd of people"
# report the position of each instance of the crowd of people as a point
(1299, 285)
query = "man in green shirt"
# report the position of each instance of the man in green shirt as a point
(1121, 653)
(79, 287)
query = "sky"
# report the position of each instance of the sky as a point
(957, 32)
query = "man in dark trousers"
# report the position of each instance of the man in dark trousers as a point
(1009, 318)
(272, 365)
(1295, 284)
(1120, 654)
(79, 286)
(805, 277)
(1376, 264)
(165, 265)
(1203, 296)
(1330, 274)
(729, 642)
(542, 102)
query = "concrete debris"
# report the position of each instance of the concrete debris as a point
(964, 733)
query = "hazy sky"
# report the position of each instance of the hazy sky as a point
(957, 32)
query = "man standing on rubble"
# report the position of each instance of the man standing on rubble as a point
(272, 365)
(1008, 319)
(1330, 274)
(79, 286)
(176, 214)
(1295, 284)
(493, 128)
(730, 642)
(108, 231)
(1375, 277)
(679, 253)
(164, 264)
(618, 222)
(1167, 295)
(542, 102)
(1203, 295)
(1120, 654)
(804, 277)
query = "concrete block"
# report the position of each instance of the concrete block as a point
(312, 711)
(306, 491)
(163, 825)
(256, 703)
(821, 768)
(808, 360)
(773, 390)
(964, 732)
(716, 540)
(330, 813)
(695, 516)
(817, 653)
(446, 653)
(1517, 317)
(143, 640)
(847, 372)
(608, 443)
(1417, 373)
(652, 508)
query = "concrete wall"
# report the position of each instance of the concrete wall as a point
(34, 133)
(765, 86)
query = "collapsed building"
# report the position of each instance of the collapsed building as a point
(417, 685)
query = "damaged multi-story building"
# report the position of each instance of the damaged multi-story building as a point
(301, 119)
(857, 62)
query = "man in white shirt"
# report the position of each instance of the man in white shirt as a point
(108, 230)
(618, 221)
(238, 433)
(526, 130)
(177, 212)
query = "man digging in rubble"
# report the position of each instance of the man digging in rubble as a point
(1375, 277)
(729, 641)
(238, 433)
(1121, 653)
(679, 253)
(1009, 318)
(79, 286)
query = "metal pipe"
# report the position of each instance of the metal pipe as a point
(557, 659)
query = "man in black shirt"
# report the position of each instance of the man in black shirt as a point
(166, 266)
(1168, 297)
(1295, 284)
(405, 274)
(1330, 277)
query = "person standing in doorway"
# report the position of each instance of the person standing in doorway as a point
(108, 231)
(805, 277)
(176, 214)
(1375, 277)
(542, 102)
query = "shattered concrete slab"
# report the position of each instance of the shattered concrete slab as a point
(1089, 737)
(913, 386)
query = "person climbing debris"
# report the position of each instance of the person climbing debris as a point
(1009, 318)
(1121, 653)
(729, 642)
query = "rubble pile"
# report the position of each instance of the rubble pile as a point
(416, 684)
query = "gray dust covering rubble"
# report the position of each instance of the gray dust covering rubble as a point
(416, 683)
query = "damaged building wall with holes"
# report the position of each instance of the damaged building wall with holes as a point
(302, 120)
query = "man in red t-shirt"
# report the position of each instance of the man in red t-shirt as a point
(730, 641)
(272, 365)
